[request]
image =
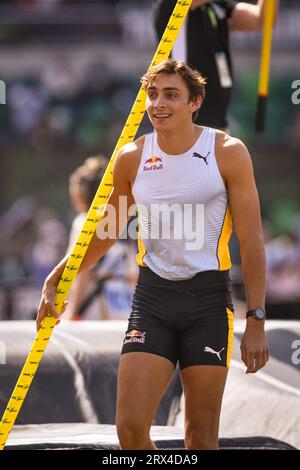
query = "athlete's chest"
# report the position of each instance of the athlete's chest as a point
(184, 179)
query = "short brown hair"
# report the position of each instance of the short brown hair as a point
(85, 180)
(192, 78)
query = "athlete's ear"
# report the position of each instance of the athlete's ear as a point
(196, 103)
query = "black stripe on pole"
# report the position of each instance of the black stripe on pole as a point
(260, 118)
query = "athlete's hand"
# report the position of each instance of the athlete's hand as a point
(47, 304)
(48, 294)
(254, 346)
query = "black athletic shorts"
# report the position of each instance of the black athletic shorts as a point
(189, 321)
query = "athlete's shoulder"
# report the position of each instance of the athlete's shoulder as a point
(231, 148)
(232, 155)
(128, 158)
(132, 149)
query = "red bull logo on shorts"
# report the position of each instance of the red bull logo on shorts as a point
(135, 336)
(153, 163)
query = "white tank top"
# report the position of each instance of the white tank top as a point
(184, 219)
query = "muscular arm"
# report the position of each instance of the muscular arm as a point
(245, 210)
(236, 168)
(115, 219)
(98, 245)
(247, 17)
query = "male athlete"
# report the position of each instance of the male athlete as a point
(188, 183)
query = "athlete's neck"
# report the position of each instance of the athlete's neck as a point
(176, 143)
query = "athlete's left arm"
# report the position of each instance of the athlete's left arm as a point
(236, 169)
(247, 17)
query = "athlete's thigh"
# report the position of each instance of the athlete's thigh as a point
(142, 381)
(203, 388)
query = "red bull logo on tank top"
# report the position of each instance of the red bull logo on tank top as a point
(153, 163)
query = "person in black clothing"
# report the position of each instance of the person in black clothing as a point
(203, 43)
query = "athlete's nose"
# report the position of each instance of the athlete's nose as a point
(159, 102)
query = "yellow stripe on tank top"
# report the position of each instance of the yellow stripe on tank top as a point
(230, 319)
(141, 249)
(223, 248)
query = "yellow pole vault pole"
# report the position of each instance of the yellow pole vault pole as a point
(132, 124)
(265, 59)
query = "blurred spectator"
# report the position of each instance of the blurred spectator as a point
(32, 239)
(283, 267)
(49, 244)
(28, 104)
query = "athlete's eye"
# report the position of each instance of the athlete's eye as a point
(151, 95)
(172, 95)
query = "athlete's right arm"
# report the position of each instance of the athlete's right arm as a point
(97, 248)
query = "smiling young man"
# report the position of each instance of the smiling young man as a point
(188, 183)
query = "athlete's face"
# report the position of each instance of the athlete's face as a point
(168, 103)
